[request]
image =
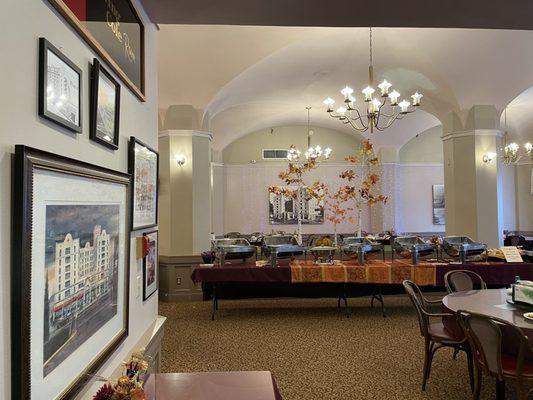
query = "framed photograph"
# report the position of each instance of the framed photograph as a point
(143, 165)
(70, 272)
(114, 30)
(150, 265)
(283, 207)
(59, 88)
(105, 107)
(439, 215)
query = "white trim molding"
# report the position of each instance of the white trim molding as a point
(186, 132)
(473, 132)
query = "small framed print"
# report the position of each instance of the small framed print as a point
(150, 264)
(105, 107)
(143, 165)
(59, 87)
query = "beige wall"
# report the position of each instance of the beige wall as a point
(524, 198)
(22, 22)
(425, 147)
(249, 147)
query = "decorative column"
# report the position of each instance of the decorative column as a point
(473, 186)
(185, 207)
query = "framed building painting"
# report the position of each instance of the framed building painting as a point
(150, 264)
(59, 88)
(105, 107)
(143, 165)
(114, 30)
(439, 214)
(70, 272)
(283, 206)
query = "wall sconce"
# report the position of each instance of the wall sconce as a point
(180, 159)
(488, 157)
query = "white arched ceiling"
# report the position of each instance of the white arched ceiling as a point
(520, 117)
(454, 68)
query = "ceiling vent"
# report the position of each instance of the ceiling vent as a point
(275, 154)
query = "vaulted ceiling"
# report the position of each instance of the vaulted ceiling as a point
(248, 78)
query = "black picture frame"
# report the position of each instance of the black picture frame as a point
(146, 293)
(132, 165)
(46, 87)
(27, 162)
(94, 133)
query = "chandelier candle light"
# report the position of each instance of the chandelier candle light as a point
(511, 154)
(376, 117)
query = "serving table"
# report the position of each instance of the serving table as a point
(341, 281)
(238, 385)
(494, 303)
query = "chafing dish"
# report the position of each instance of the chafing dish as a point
(281, 246)
(360, 246)
(412, 246)
(323, 254)
(233, 249)
(462, 247)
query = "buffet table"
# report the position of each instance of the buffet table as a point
(340, 281)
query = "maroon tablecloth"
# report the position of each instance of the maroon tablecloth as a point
(492, 273)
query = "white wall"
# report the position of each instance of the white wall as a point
(22, 22)
(246, 198)
(415, 197)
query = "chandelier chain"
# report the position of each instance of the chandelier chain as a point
(370, 47)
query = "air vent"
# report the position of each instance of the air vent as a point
(274, 154)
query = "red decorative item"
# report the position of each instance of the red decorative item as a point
(146, 245)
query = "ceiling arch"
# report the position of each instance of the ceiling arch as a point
(454, 68)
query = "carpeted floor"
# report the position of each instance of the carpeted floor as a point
(313, 350)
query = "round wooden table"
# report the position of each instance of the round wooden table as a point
(492, 302)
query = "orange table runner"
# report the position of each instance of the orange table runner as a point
(384, 272)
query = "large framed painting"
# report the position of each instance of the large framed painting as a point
(59, 87)
(114, 30)
(143, 165)
(438, 205)
(283, 206)
(105, 107)
(150, 264)
(70, 272)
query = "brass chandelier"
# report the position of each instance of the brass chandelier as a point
(376, 117)
(511, 152)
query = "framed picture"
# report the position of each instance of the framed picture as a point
(143, 165)
(114, 30)
(105, 107)
(283, 207)
(70, 272)
(59, 88)
(150, 265)
(438, 205)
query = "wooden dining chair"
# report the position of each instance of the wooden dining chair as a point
(462, 280)
(435, 333)
(486, 337)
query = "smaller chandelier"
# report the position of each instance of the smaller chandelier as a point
(511, 153)
(376, 117)
(312, 153)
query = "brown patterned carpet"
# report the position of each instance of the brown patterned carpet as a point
(313, 350)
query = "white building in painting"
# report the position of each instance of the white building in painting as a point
(82, 274)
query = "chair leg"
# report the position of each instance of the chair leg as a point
(455, 352)
(428, 348)
(477, 383)
(470, 360)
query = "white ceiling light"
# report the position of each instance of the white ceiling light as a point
(374, 117)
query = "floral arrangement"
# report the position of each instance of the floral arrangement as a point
(294, 176)
(130, 385)
(360, 188)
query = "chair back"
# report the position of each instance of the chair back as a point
(485, 336)
(462, 280)
(415, 295)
